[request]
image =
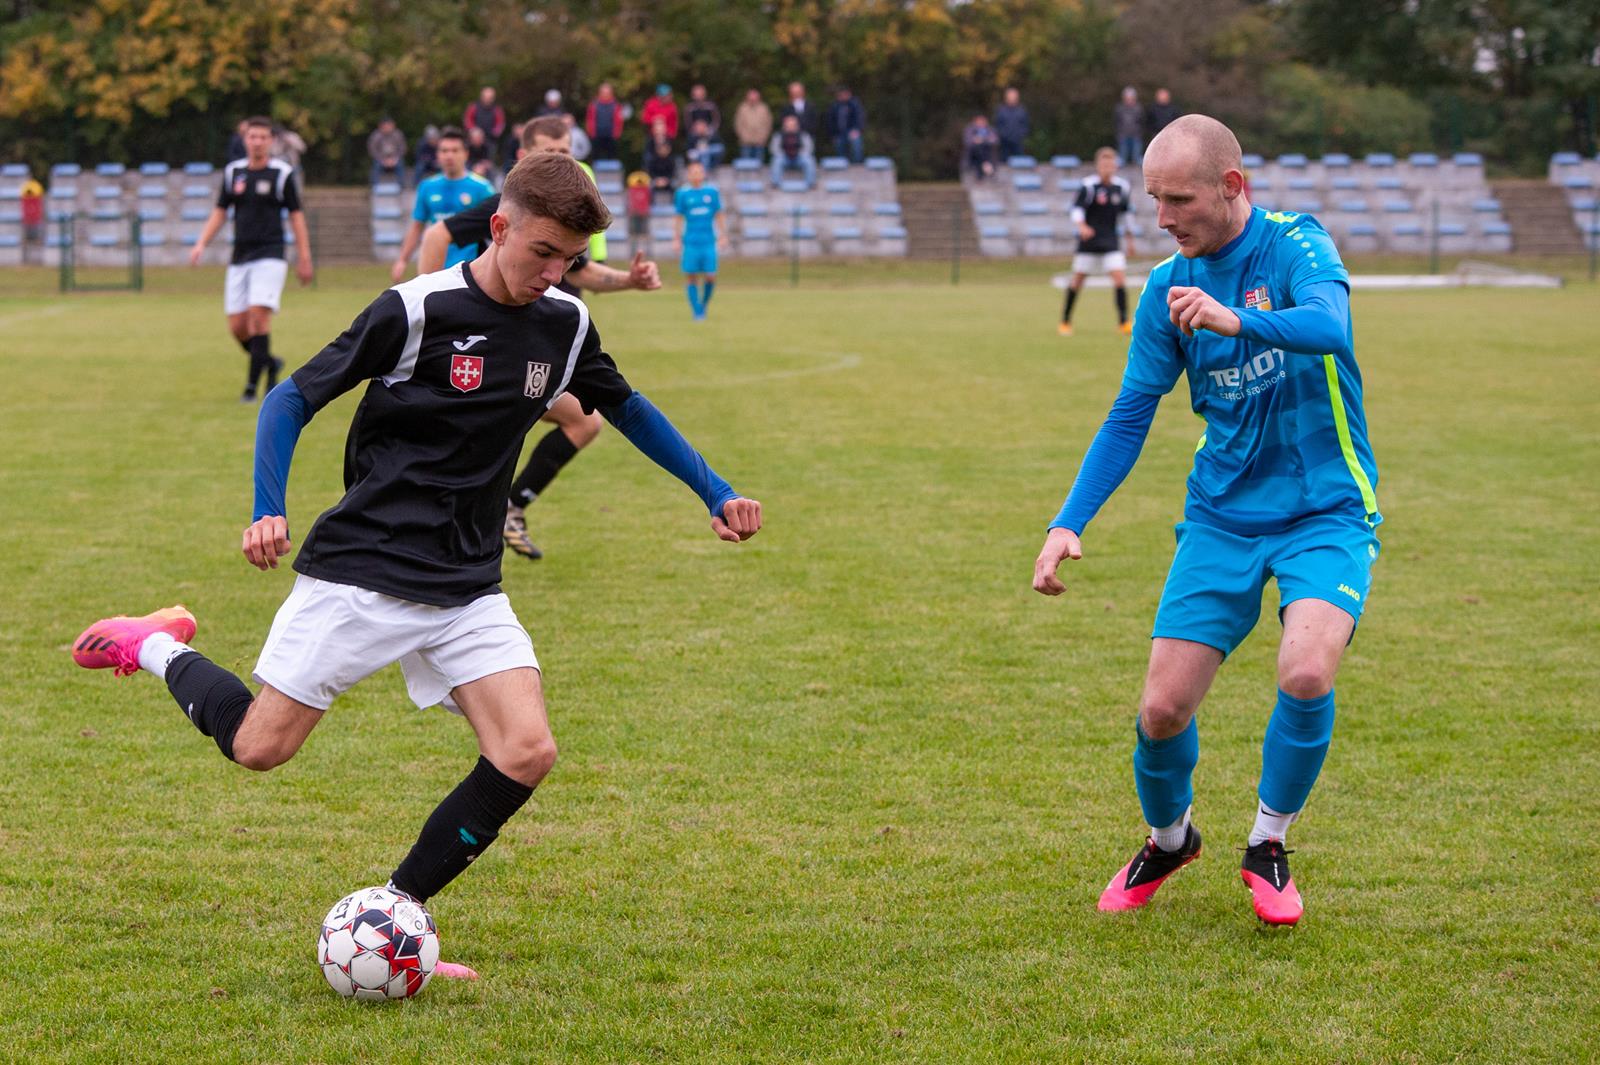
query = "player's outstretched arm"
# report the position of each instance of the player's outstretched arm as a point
(435, 246)
(1059, 545)
(733, 517)
(214, 222)
(283, 414)
(642, 274)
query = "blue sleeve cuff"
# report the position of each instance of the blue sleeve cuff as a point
(647, 429)
(1110, 457)
(283, 414)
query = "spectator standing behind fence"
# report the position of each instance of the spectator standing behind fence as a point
(32, 196)
(793, 149)
(386, 146)
(1161, 114)
(978, 145)
(800, 108)
(581, 147)
(1128, 121)
(489, 117)
(704, 147)
(752, 124)
(236, 149)
(603, 122)
(1011, 124)
(660, 161)
(661, 107)
(288, 146)
(427, 155)
(701, 108)
(552, 104)
(480, 157)
(847, 125)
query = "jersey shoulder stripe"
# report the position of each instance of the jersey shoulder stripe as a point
(481, 181)
(578, 336)
(285, 172)
(413, 294)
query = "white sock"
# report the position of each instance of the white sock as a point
(157, 650)
(1270, 824)
(1171, 837)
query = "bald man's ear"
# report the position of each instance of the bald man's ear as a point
(1232, 184)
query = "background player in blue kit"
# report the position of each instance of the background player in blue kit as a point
(447, 193)
(1255, 309)
(700, 231)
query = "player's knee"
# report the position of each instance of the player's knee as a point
(528, 760)
(1161, 716)
(261, 754)
(1305, 680)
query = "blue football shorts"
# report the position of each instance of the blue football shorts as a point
(1213, 590)
(699, 259)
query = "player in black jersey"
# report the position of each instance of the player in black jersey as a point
(1101, 210)
(259, 188)
(457, 367)
(574, 429)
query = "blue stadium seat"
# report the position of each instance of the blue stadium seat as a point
(751, 188)
(891, 232)
(1424, 159)
(152, 191)
(607, 166)
(665, 234)
(10, 215)
(742, 166)
(1068, 185)
(386, 238)
(1040, 232)
(1497, 229)
(110, 170)
(65, 190)
(1253, 161)
(1354, 207)
(1345, 184)
(995, 230)
(198, 169)
(752, 210)
(196, 191)
(1308, 207)
(1302, 184)
(834, 162)
(1566, 159)
(1393, 206)
(14, 170)
(803, 232)
(1584, 203)
(1026, 182)
(887, 209)
(10, 240)
(1486, 206)
(1408, 229)
(65, 170)
(609, 185)
(154, 169)
(842, 210)
(662, 210)
(793, 185)
(195, 214)
(1363, 229)
(1263, 185)
(1452, 229)
(152, 240)
(837, 185)
(1293, 161)
(756, 232)
(387, 214)
(57, 215)
(106, 213)
(104, 240)
(797, 210)
(108, 192)
(989, 208)
(55, 239)
(1389, 183)
(1336, 161)
(1065, 162)
(1467, 159)
(1380, 159)
(847, 233)
(1035, 208)
(879, 162)
(1022, 162)
(386, 188)
(1577, 181)
(152, 214)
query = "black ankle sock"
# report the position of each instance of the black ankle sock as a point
(549, 455)
(1122, 305)
(214, 699)
(1072, 297)
(260, 357)
(460, 829)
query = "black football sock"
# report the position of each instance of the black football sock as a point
(214, 699)
(460, 829)
(549, 455)
(260, 357)
(1066, 311)
(1122, 305)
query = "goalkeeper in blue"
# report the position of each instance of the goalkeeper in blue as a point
(1255, 311)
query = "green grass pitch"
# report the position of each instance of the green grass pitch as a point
(846, 793)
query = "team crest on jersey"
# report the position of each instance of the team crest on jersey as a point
(264, 187)
(239, 186)
(466, 199)
(1257, 299)
(538, 377)
(466, 372)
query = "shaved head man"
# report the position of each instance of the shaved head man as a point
(1255, 312)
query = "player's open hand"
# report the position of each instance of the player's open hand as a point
(643, 274)
(741, 519)
(397, 271)
(266, 541)
(1060, 545)
(1191, 309)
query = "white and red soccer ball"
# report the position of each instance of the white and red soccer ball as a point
(378, 944)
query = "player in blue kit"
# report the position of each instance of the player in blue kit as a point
(448, 193)
(700, 231)
(1255, 310)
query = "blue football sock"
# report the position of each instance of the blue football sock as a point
(1292, 752)
(705, 299)
(1162, 771)
(694, 300)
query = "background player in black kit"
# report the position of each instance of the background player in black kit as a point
(458, 365)
(1100, 211)
(259, 189)
(575, 428)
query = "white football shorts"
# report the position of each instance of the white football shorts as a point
(1088, 262)
(329, 636)
(256, 284)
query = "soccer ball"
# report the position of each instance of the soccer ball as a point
(376, 944)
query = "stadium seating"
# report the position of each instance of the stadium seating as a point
(852, 210)
(1579, 181)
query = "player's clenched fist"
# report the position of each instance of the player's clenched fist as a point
(1060, 545)
(266, 541)
(1191, 309)
(741, 519)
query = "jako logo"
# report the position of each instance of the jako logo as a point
(1259, 366)
(1351, 592)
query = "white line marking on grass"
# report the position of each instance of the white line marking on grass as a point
(37, 312)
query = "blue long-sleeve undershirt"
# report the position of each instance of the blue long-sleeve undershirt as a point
(1318, 324)
(647, 429)
(283, 414)
(1115, 449)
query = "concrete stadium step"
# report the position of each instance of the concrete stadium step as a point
(937, 215)
(340, 220)
(1540, 217)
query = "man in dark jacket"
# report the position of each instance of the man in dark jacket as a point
(1011, 124)
(1162, 112)
(846, 124)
